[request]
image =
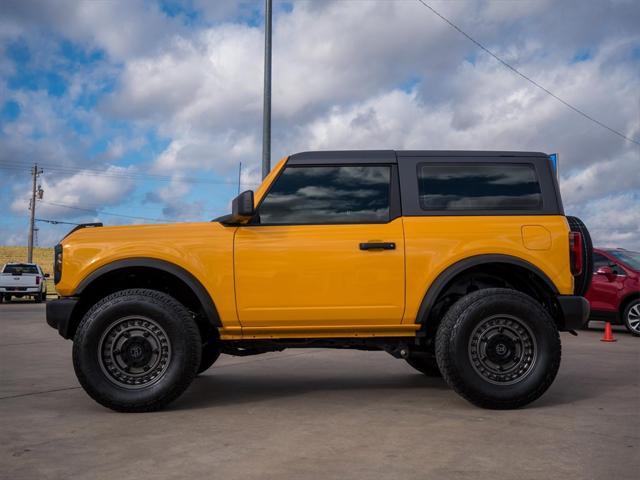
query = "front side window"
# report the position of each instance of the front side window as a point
(600, 261)
(626, 256)
(478, 186)
(328, 194)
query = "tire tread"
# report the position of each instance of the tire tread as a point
(157, 298)
(448, 330)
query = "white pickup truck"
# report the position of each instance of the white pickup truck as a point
(23, 280)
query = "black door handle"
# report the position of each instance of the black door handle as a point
(378, 246)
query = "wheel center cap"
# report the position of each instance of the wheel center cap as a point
(500, 349)
(136, 352)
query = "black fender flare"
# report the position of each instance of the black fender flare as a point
(171, 268)
(449, 273)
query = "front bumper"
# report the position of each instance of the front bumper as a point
(59, 315)
(574, 310)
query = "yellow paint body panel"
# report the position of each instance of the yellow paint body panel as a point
(536, 237)
(434, 243)
(313, 280)
(316, 275)
(203, 249)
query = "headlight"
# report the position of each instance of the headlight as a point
(57, 263)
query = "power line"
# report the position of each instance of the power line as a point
(107, 173)
(55, 222)
(96, 211)
(518, 72)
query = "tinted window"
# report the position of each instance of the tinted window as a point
(600, 261)
(19, 269)
(478, 186)
(630, 258)
(329, 194)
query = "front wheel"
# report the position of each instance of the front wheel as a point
(136, 350)
(631, 317)
(498, 348)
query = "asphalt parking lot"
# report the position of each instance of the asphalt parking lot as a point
(315, 414)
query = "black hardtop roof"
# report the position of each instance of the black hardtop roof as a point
(392, 156)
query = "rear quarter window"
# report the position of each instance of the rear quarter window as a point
(478, 186)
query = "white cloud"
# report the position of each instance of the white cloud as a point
(83, 190)
(123, 28)
(613, 221)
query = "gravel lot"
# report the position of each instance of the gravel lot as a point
(315, 414)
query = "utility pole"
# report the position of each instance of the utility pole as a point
(35, 172)
(239, 177)
(266, 110)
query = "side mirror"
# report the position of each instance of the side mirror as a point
(242, 209)
(46, 275)
(606, 271)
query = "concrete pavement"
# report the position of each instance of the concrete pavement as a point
(315, 414)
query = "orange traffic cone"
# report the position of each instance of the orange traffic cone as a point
(608, 334)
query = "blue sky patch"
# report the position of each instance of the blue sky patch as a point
(410, 83)
(10, 111)
(76, 54)
(174, 8)
(18, 51)
(582, 55)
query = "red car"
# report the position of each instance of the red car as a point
(614, 294)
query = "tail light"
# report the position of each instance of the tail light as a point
(575, 252)
(37, 279)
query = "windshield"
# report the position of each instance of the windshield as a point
(625, 256)
(19, 269)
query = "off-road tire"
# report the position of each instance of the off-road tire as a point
(426, 364)
(583, 281)
(454, 351)
(210, 353)
(626, 319)
(182, 336)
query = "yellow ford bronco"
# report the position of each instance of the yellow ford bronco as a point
(461, 263)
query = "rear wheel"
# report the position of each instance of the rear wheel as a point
(498, 348)
(631, 317)
(136, 350)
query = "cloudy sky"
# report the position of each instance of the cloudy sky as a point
(141, 111)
